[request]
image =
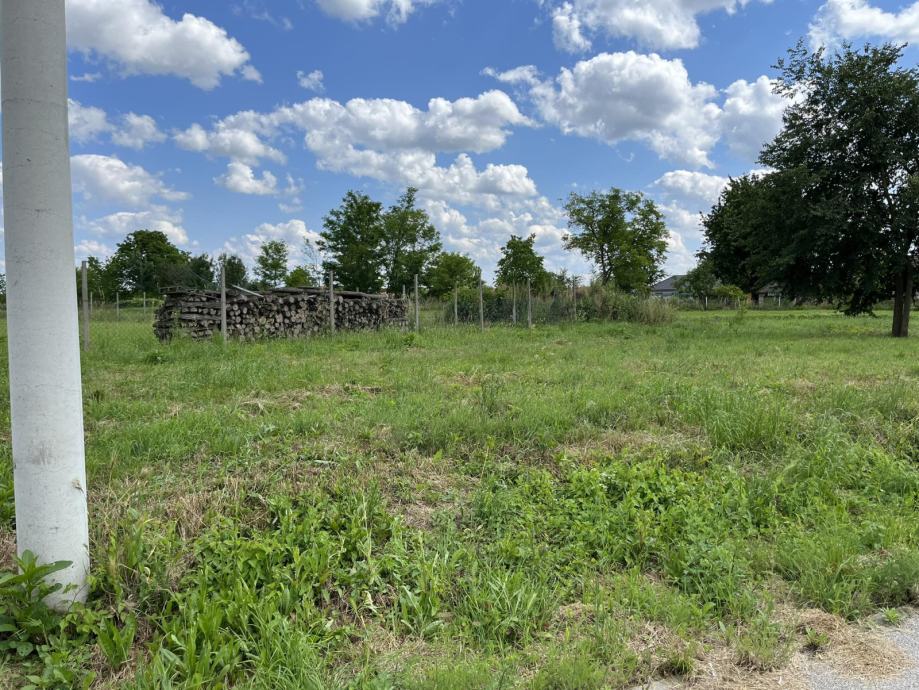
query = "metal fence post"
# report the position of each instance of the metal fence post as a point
(85, 290)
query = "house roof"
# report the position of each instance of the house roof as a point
(666, 285)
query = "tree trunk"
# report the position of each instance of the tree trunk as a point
(902, 303)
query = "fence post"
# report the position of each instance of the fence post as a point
(223, 301)
(85, 290)
(514, 307)
(481, 304)
(90, 305)
(574, 299)
(117, 306)
(456, 305)
(417, 307)
(145, 304)
(332, 300)
(529, 305)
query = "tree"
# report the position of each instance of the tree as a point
(235, 270)
(519, 262)
(145, 261)
(201, 269)
(301, 277)
(448, 271)
(409, 242)
(700, 282)
(271, 264)
(621, 233)
(351, 240)
(99, 279)
(850, 136)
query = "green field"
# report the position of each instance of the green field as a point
(576, 506)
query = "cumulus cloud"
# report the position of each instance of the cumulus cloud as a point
(841, 20)
(658, 24)
(311, 81)
(384, 139)
(752, 116)
(88, 123)
(137, 37)
(117, 225)
(87, 248)
(567, 30)
(692, 185)
(240, 178)
(137, 131)
(615, 97)
(109, 179)
(396, 11)
(300, 241)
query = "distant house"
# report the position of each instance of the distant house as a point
(666, 288)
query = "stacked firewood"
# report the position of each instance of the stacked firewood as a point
(280, 313)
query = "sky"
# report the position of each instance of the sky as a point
(227, 124)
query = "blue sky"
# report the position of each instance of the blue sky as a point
(226, 124)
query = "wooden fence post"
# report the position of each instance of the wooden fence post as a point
(481, 304)
(529, 305)
(514, 307)
(85, 285)
(456, 305)
(417, 307)
(223, 301)
(332, 300)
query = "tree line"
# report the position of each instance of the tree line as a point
(836, 216)
(370, 248)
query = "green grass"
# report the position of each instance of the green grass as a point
(581, 506)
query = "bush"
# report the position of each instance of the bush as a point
(605, 303)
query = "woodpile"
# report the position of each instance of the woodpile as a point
(280, 313)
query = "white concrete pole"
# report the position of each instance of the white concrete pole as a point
(46, 402)
(417, 307)
(223, 301)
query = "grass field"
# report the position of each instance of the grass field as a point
(579, 506)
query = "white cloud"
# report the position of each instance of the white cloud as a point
(567, 30)
(117, 225)
(752, 116)
(615, 97)
(840, 20)
(659, 24)
(397, 11)
(87, 248)
(109, 179)
(137, 131)
(294, 233)
(139, 38)
(241, 179)
(691, 185)
(385, 139)
(86, 123)
(311, 81)
(228, 141)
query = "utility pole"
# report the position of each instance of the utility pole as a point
(223, 301)
(84, 280)
(46, 401)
